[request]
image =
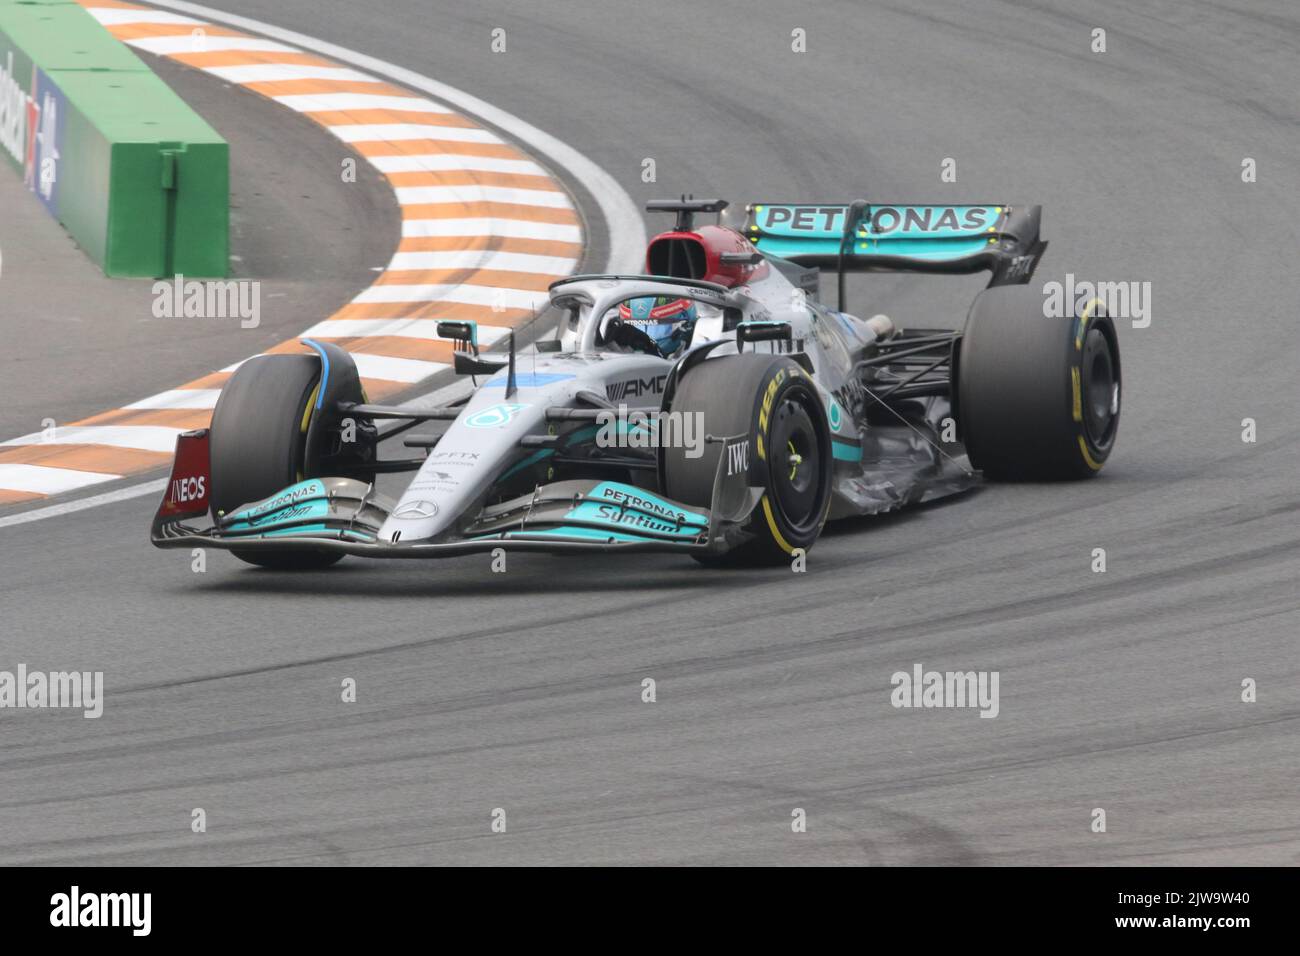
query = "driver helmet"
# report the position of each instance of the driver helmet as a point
(667, 321)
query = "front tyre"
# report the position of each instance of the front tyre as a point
(258, 443)
(1038, 397)
(773, 403)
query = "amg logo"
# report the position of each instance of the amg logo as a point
(633, 387)
(738, 458)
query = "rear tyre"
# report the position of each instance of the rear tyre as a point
(771, 401)
(258, 443)
(1038, 398)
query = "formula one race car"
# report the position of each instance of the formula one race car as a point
(713, 406)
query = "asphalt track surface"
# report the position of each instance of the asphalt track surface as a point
(522, 690)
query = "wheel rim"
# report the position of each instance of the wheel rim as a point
(1100, 387)
(796, 465)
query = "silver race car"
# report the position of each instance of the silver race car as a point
(714, 406)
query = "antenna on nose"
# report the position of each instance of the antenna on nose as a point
(510, 371)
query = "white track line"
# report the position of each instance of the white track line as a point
(202, 43)
(431, 195)
(426, 329)
(627, 237)
(180, 398)
(330, 102)
(117, 16)
(81, 504)
(442, 162)
(48, 481)
(405, 132)
(435, 399)
(277, 72)
(510, 228)
(391, 369)
(142, 437)
(482, 259)
(462, 294)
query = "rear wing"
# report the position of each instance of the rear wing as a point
(879, 237)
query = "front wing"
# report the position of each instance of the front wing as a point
(344, 515)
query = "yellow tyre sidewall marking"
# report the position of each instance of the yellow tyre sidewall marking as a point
(1087, 457)
(769, 396)
(771, 524)
(306, 418)
(1084, 318)
(306, 412)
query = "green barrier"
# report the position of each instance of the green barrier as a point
(136, 176)
(63, 36)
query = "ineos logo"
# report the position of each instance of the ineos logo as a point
(189, 489)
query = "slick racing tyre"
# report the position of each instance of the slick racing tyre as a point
(1038, 398)
(258, 443)
(773, 403)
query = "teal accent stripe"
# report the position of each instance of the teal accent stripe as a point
(929, 250)
(529, 379)
(566, 531)
(300, 529)
(530, 460)
(317, 508)
(303, 491)
(591, 511)
(616, 493)
(307, 529)
(843, 451)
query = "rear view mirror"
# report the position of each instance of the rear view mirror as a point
(467, 364)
